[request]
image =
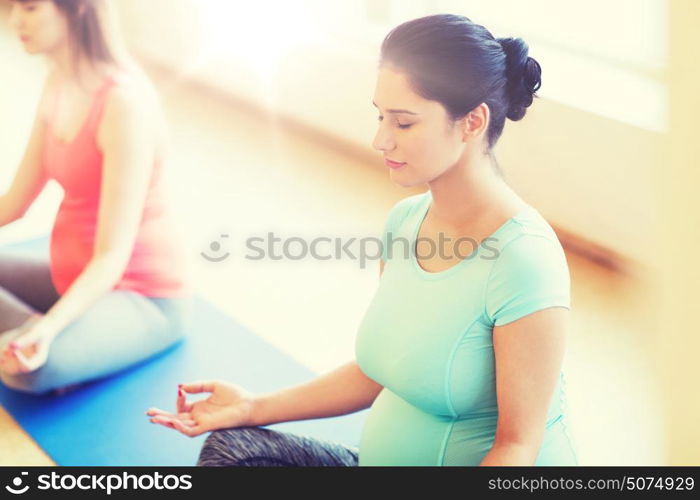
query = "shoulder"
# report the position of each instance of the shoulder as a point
(530, 237)
(531, 244)
(403, 208)
(131, 108)
(531, 251)
(131, 94)
(530, 273)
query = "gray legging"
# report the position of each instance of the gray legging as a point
(119, 330)
(260, 447)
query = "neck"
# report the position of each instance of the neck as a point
(75, 70)
(463, 194)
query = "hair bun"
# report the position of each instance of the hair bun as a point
(524, 76)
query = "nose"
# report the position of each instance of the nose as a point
(383, 139)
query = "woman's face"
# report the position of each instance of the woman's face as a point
(40, 25)
(417, 137)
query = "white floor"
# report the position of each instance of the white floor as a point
(242, 175)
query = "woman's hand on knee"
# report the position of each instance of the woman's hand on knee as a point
(28, 349)
(8, 363)
(226, 407)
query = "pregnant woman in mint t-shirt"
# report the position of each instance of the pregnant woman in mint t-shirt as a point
(459, 354)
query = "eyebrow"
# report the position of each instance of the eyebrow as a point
(397, 110)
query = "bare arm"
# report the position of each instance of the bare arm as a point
(339, 392)
(30, 178)
(529, 354)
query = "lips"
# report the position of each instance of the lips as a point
(393, 164)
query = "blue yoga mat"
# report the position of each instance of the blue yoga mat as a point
(103, 423)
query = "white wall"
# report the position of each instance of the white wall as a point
(588, 174)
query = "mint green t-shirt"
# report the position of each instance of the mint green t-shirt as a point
(427, 339)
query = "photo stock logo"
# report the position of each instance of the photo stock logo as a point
(104, 481)
(361, 250)
(17, 488)
(215, 248)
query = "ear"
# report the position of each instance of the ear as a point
(475, 122)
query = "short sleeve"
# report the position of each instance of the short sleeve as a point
(530, 274)
(397, 215)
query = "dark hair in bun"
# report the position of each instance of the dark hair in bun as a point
(451, 60)
(524, 76)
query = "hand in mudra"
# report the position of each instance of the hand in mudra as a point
(27, 348)
(227, 406)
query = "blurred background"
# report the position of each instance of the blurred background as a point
(269, 104)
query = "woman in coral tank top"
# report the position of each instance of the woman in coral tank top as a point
(115, 289)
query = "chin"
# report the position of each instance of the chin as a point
(32, 49)
(405, 180)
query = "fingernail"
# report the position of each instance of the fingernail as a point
(14, 345)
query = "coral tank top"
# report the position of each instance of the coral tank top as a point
(158, 266)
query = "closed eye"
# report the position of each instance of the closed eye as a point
(29, 7)
(400, 125)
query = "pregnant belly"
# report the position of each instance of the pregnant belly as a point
(72, 245)
(398, 433)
